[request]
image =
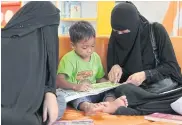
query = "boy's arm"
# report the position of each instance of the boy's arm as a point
(65, 70)
(61, 82)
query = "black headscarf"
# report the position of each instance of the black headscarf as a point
(133, 51)
(125, 49)
(31, 16)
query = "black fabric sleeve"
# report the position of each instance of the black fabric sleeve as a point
(52, 57)
(153, 76)
(110, 55)
(168, 66)
(112, 60)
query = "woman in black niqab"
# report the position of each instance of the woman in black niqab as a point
(29, 46)
(141, 55)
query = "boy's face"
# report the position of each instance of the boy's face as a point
(85, 48)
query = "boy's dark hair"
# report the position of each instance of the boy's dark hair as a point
(81, 30)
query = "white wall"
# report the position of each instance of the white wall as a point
(152, 10)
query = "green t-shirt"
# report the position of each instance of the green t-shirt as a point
(77, 69)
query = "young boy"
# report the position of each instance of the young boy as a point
(81, 67)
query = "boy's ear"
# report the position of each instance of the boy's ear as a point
(72, 45)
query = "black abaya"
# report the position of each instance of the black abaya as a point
(29, 62)
(134, 53)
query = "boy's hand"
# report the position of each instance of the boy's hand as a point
(82, 87)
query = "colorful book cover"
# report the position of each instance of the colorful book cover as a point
(62, 9)
(164, 118)
(75, 122)
(67, 9)
(75, 9)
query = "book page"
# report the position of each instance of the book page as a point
(70, 95)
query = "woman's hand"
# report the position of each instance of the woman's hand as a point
(115, 74)
(50, 108)
(137, 78)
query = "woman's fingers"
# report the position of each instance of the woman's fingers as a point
(44, 114)
(134, 80)
(118, 73)
(115, 74)
(119, 76)
(111, 76)
(129, 78)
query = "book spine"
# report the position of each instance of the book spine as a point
(62, 8)
(67, 9)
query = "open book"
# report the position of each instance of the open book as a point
(165, 118)
(97, 88)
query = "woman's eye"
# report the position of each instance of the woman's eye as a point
(120, 32)
(126, 31)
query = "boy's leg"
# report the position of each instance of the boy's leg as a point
(61, 106)
(87, 105)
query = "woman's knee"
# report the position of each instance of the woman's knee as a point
(124, 89)
(127, 111)
(10, 117)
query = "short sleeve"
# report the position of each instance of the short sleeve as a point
(65, 67)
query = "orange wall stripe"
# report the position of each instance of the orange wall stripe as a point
(180, 28)
(170, 16)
